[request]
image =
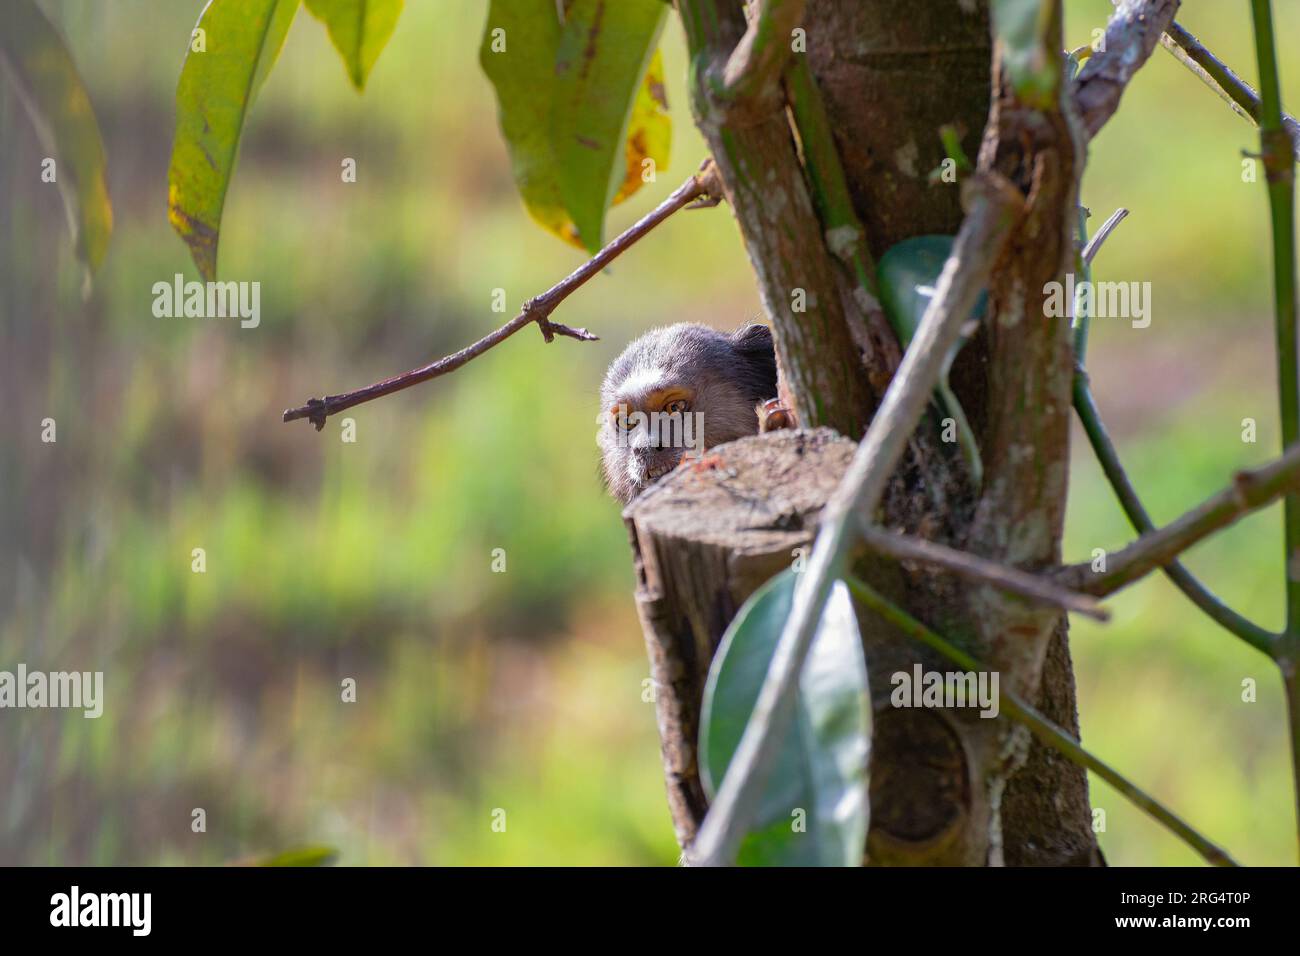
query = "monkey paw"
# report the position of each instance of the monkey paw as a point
(772, 415)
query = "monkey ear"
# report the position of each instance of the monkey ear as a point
(753, 338)
(753, 343)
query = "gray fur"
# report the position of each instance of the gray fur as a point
(730, 374)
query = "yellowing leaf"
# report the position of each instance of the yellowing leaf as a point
(37, 64)
(649, 132)
(604, 53)
(241, 41)
(518, 56)
(359, 30)
(577, 140)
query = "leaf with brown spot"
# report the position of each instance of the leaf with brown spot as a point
(575, 149)
(605, 56)
(649, 132)
(216, 90)
(37, 65)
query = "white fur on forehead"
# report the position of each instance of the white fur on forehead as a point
(639, 383)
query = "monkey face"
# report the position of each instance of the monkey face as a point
(644, 441)
(676, 390)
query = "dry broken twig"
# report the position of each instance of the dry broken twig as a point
(1249, 491)
(704, 185)
(1034, 587)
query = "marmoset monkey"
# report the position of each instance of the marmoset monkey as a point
(678, 388)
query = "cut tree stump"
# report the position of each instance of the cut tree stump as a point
(710, 533)
(704, 539)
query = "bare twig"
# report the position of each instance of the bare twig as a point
(1250, 490)
(1035, 587)
(1094, 244)
(705, 183)
(993, 207)
(1131, 36)
(1215, 74)
(1042, 728)
(1257, 637)
(1083, 316)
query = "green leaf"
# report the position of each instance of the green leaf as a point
(604, 53)
(359, 29)
(544, 103)
(1023, 28)
(301, 856)
(241, 39)
(37, 64)
(518, 55)
(908, 274)
(822, 766)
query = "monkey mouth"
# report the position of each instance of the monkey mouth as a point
(647, 473)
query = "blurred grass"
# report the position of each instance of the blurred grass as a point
(518, 691)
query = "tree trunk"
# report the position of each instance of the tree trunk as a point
(946, 786)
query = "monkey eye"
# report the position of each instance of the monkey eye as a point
(618, 417)
(677, 406)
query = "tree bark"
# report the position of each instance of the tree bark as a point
(704, 539)
(946, 786)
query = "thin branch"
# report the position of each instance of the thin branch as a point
(993, 207)
(1083, 320)
(1131, 35)
(1257, 637)
(760, 56)
(1042, 728)
(1277, 146)
(704, 185)
(845, 236)
(1094, 245)
(1291, 684)
(1215, 74)
(1082, 317)
(1034, 587)
(1249, 491)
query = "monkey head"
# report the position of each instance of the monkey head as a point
(676, 388)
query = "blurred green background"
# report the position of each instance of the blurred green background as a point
(523, 690)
